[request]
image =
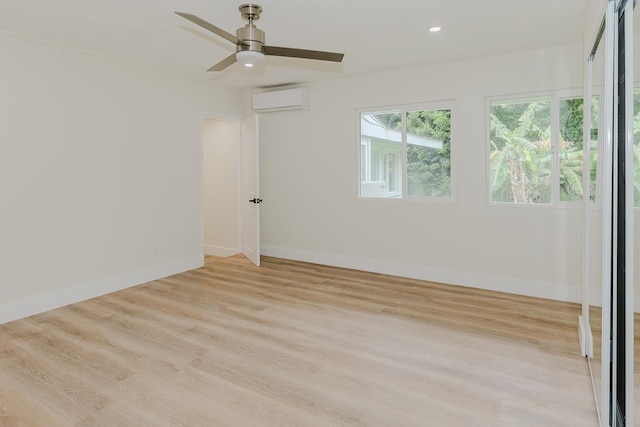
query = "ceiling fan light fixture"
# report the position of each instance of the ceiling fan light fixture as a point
(249, 58)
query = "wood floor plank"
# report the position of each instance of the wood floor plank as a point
(20, 409)
(42, 380)
(296, 344)
(120, 414)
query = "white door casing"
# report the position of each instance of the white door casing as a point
(250, 190)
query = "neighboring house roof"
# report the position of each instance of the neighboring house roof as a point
(371, 127)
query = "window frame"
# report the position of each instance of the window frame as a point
(554, 97)
(403, 109)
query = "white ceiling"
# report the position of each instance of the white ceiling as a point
(375, 35)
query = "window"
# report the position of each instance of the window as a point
(530, 162)
(406, 152)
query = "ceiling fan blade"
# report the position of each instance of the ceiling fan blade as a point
(207, 26)
(229, 60)
(303, 53)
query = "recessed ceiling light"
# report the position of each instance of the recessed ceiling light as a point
(434, 29)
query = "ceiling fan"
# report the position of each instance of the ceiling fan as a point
(249, 41)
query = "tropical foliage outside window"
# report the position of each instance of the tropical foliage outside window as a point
(429, 168)
(593, 147)
(522, 151)
(520, 156)
(571, 149)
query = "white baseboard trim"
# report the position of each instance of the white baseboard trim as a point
(462, 278)
(50, 301)
(220, 251)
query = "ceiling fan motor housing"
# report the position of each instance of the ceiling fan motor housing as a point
(252, 38)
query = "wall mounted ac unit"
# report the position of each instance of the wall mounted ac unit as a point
(281, 100)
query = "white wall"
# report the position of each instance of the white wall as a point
(221, 187)
(309, 184)
(594, 12)
(100, 174)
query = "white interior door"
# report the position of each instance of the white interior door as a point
(250, 190)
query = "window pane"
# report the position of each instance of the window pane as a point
(363, 162)
(571, 149)
(636, 149)
(381, 148)
(429, 153)
(520, 155)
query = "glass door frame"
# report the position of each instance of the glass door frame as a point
(615, 166)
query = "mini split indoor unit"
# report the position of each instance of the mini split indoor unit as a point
(281, 100)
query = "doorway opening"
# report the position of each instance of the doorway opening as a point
(222, 177)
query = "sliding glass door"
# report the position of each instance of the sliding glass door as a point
(609, 235)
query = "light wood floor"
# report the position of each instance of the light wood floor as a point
(296, 344)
